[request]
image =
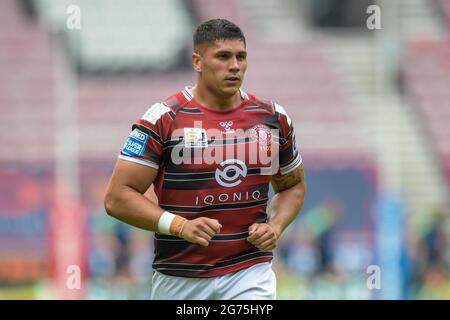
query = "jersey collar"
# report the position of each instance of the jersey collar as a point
(187, 92)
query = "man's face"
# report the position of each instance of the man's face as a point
(221, 65)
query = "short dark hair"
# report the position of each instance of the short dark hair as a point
(217, 29)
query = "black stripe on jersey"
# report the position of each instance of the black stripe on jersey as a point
(152, 156)
(292, 157)
(190, 110)
(287, 137)
(183, 185)
(212, 207)
(172, 114)
(173, 142)
(288, 163)
(188, 94)
(275, 112)
(188, 176)
(243, 258)
(219, 237)
(207, 267)
(150, 132)
(192, 176)
(292, 165)
(211, 142)
(253, 108)
(236, 140)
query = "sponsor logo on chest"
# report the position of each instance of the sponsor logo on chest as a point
(227, 126)
(195, 138)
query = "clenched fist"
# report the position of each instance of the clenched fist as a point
(200, 230)
(262, 236)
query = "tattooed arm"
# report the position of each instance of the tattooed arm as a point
(288, 201)
(285, 205)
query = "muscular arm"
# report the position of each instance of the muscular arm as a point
(125, 200)
(290, 192)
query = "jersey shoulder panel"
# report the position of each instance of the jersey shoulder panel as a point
(160, 115)
(277, 111)
(261, 103)
(272, 108)
(177, 101)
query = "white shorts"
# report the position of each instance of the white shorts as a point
(255, 283)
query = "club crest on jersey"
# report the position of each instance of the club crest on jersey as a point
(261, 134)
(136, 143)
(195, 138)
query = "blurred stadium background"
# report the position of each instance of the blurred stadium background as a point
(371, 110)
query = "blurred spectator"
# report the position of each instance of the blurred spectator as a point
(321, 222)
(435, 283)
(120, 256)
(430, 259)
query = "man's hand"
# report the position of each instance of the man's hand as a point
(200, 230)
(262, 236)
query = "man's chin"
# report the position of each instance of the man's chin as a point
(230, 91)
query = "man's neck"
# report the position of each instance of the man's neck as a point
(210, 101)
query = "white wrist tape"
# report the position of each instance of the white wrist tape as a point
(165, 221)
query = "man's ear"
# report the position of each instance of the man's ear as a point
(197, 62)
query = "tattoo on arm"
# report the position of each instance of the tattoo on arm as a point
(286, 181)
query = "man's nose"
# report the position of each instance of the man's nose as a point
(234, 65)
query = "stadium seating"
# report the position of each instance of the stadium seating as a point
(26, 88)
(427, 78)
(115, 36)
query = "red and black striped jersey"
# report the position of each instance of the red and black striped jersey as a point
(213, 164)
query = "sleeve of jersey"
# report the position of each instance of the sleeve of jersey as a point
(144, 144)
(289, 155)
